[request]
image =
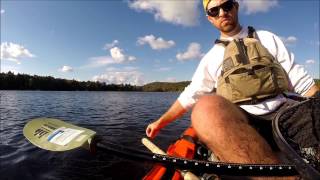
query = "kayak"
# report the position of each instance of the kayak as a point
(188, 146)
(184, 147)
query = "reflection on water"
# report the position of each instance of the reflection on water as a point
(119, 117)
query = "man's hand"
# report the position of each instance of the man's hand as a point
(174, 112)
(153, 129)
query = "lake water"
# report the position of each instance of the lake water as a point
(119, 117)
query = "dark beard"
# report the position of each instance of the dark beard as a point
(229, 26)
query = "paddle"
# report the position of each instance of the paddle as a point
(56, 135)
(187, 175)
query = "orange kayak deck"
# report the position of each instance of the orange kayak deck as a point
(184, 147)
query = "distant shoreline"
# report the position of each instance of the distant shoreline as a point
(11, 81)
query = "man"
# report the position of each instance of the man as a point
(234, 134)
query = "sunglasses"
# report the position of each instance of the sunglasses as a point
(226, 7)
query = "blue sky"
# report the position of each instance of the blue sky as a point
(138, 41)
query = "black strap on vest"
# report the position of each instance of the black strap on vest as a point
(251, 31)
(218, 41)
(251, 34)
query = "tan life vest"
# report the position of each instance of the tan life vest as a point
(249, 72)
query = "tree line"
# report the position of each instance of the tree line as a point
(11, 81)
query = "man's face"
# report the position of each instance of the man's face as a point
(226, 19)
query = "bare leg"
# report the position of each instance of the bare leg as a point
(225, 130)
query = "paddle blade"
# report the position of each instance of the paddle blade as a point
(56, 135)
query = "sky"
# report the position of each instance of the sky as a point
(138, 41)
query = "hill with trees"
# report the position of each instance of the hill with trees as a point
(165, 86)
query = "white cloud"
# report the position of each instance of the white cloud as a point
(183, 13)
(155, 43)
(193, 52)
(118, 55)
(310, 61)
(130, 68)
(289, 40)
(117, 76)
(14, 52)
(131, 58)
(2, 11)
(164, 69)
(111, 45)
(66, 69)
(99, 61)
(255, 6)
(126, 68)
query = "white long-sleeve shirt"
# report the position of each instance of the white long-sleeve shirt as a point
(206, 76)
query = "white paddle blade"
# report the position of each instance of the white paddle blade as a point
(56, 135)
(152, 147)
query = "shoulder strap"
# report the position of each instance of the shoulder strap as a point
(251, 32)
(218, 41)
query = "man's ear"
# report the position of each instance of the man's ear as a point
(210, 19)
(236, 4)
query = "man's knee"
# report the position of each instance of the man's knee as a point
(209, 105)
(210, 101)
(215, 110)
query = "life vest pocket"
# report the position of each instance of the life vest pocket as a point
(245, 83)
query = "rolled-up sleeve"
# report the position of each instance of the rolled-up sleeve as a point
(202, 83)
